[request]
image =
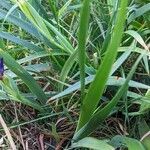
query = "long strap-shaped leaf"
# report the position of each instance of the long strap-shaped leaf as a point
(19, 41)
(139, 12)
(43, 26)
(83, 28)
(13, 93)
(18, 21)
(97, 87)
(81, 51)
(24, 75)
(101, 114)
(66, 68)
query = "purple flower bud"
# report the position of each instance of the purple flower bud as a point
(1, 68)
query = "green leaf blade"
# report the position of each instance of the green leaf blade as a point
(96, 89)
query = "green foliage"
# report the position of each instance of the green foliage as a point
(97, 87)
(130, 143)
(92, 143)
(24, 75)
(101, 114)
(54, 49)
(83, 30)
(13, 93)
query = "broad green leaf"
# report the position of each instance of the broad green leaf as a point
(145, 140)
(130, 143)
(92, 143)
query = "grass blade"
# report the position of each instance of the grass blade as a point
(101, 114)
(12, 91)
(139, 12)
(99, 83)
(83, 29)
(66, 68)
(24, 75)
(19, 41)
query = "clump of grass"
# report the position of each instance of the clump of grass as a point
(62, 54)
